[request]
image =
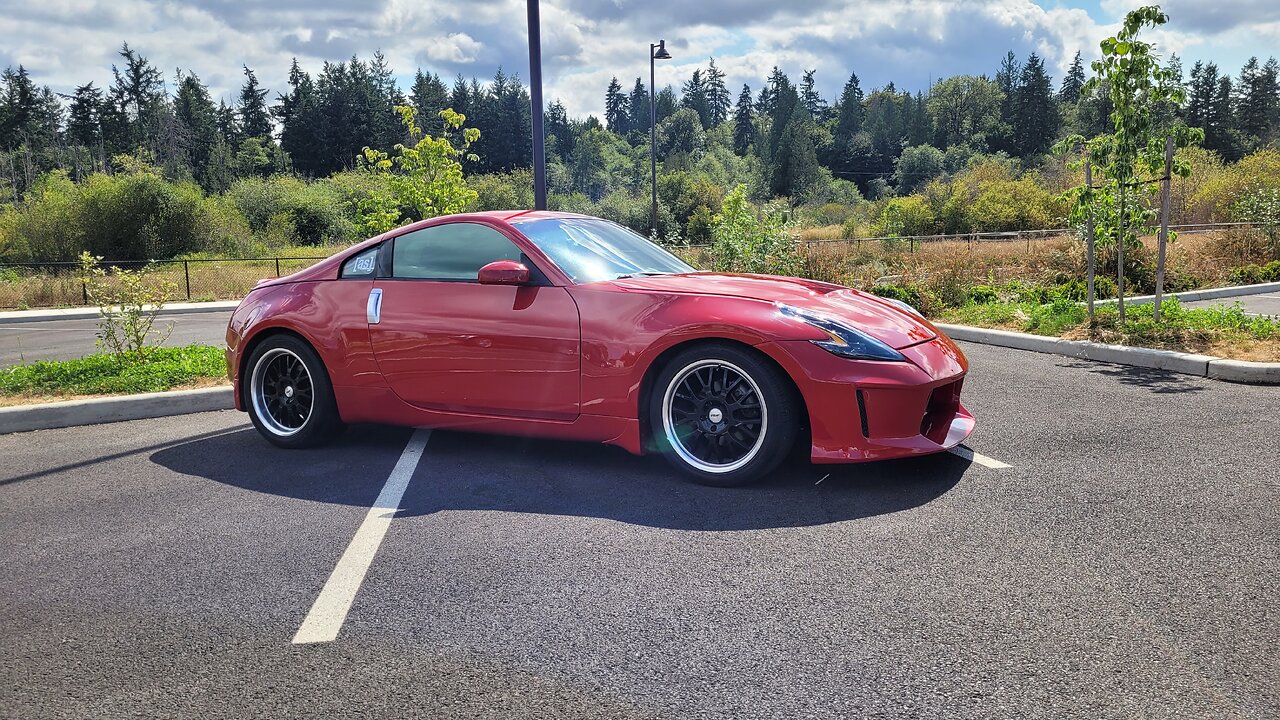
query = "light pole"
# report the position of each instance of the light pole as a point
(656, 52)
(535, 97)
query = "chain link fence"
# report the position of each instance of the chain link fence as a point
(60, 284)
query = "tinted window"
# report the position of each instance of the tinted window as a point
(450, 252)
(361, 265)
(589, 249)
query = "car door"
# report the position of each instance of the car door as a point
(443, 341)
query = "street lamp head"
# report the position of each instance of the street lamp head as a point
(661, 53)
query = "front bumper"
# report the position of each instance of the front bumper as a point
(864, 410)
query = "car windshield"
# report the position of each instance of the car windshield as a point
(589, 250)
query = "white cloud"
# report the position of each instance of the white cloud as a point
(585, 42)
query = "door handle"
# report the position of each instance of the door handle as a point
(373, 310)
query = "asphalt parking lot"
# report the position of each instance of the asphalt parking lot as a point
(1125, 565)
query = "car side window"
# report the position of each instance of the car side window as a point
(361, 265)
(455, 251)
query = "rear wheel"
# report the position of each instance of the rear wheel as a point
(723, 415)
(288, 394)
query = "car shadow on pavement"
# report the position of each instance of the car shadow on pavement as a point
(462, 471)
(1157, 381)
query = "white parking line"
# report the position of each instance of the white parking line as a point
(330, 608)
(982, 460)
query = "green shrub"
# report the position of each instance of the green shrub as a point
(744, 242)
(163, 369)
(981, 294)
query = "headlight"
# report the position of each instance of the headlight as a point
(842, 339)
(907, 307)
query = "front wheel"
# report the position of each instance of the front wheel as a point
(288, 394)
(723, 415)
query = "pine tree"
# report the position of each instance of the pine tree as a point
(718, 99)
(255, 121)
(228, 125)
(1073, 82)
(809, 97)
(617, 111)
(795, 162)
(769, 93)
(666, 104)
(84, 124)
(460, 97)
(1036, 119)
(429, 96)
(557, 126)
(195, 114)
(137, 93)
(23, 121)
(694, 96)
(849, 119)
(1253, 102)
(743, 123)
(638, 102)
(1218, 135)
(299, 116)
(1002, 139)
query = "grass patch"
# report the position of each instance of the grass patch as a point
(164, 369)
(1224, 331)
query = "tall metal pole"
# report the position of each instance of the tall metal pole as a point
(653, 146)
(535, 97)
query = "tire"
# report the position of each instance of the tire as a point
(723, 415)
(288, 394)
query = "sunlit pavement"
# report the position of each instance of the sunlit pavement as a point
(1124, 565)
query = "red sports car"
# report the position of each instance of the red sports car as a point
(567, 326)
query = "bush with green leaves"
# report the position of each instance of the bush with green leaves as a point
(423, 180)
(127, 301)
(163, 369)
(751, 241)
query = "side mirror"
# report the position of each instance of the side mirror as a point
(503, 272)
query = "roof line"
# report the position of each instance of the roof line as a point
(509, 218)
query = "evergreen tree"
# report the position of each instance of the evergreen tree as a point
(695, 97)
(795, 161)
(228, 125)
(196, 116)
(1002, 139)
(617, 110)
(460, 97)
(26, 117)
(1224, 140)
(809, 97)
(137, 92)
(769, 93)
(429, 96)
(638, 102)
(299, 116)
(666, 104)
(849, 119)
(784, 99)
(84, 124)
(556, 123)
(255, 121)
(1036, 120)
(886, 125)
(743, 123)
(1255, 102)
(1073, 82)
(718, 99)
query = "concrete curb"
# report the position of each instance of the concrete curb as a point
(1236, 371)
(95, 411)
(1206, 294)
(23, 316)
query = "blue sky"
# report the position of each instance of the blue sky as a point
(586, 42)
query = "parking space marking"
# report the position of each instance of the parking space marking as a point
(330, 608)
(979, 458)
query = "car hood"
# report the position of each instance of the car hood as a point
(868, 313)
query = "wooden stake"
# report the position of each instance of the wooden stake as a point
(1088, 237)
(1166, 190)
